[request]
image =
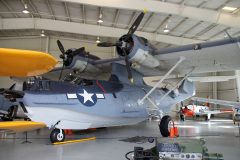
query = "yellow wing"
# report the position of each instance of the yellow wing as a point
(21, 126)
(22, 63)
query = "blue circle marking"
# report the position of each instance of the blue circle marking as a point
(87, 99)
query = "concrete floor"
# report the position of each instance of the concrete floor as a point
(220, 136)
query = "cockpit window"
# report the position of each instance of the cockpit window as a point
(85, 82)
(43, 85)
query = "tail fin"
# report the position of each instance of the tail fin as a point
(187, 87)
(120, 71)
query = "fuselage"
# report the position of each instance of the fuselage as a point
(93, 104)
(193, 110)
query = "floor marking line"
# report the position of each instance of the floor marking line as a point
(75, 141)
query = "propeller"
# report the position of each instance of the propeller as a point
(128, 67)
(60, 46)
(12, 87)
(62, 56)
(67, 56)
(108, 44)
(131, 31)
(135, 25)
(123, 43)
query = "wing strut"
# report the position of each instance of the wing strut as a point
(140, 101)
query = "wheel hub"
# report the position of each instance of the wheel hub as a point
(170, 125)
(59, 136)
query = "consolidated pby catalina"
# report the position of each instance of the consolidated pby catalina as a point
(93, 92)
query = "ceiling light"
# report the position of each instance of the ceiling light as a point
(25, 9)
(166, 29)
(98, 40)
(100, 20)
(226, 8)
(42, 34)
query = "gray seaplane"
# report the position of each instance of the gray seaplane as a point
(94, 92)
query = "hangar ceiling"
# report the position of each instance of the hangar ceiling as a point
(189, 21)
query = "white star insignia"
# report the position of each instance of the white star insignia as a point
(87, 96)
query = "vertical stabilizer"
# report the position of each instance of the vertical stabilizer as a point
(120, 71)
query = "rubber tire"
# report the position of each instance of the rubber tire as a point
(54, 134)
(163, 126)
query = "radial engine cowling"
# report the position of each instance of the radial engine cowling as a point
(139, 52)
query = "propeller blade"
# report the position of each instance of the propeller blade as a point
(12, 87)
(60, 76)
(128, 67)
(60, 46)
(106, 44)
(135, 25)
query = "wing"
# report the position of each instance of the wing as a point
(21, 126)
(22, 63)
(216, 101)
(215, 56)
(211, 78)
(222, 55)
(216, 112)
(82, 67)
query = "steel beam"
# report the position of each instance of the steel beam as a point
(201, 14)
(86, 29)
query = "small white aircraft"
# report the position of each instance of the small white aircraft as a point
(199, 111)
(235, 106)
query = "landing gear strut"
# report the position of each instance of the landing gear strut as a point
(164, 126)
(57, 135)
(182, 117)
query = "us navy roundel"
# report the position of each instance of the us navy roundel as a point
(87, 99)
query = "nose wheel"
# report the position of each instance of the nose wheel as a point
(57, 135)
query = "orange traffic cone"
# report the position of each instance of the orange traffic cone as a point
(173, 131)
(171, 135)
(176, 131)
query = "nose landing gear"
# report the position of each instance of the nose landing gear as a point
(57, 135)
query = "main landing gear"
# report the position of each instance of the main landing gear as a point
(165, 125)
(57, 135)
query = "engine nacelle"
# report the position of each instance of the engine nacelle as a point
(143, 57)
(82, 65)
(79, 61)
(139, 52)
